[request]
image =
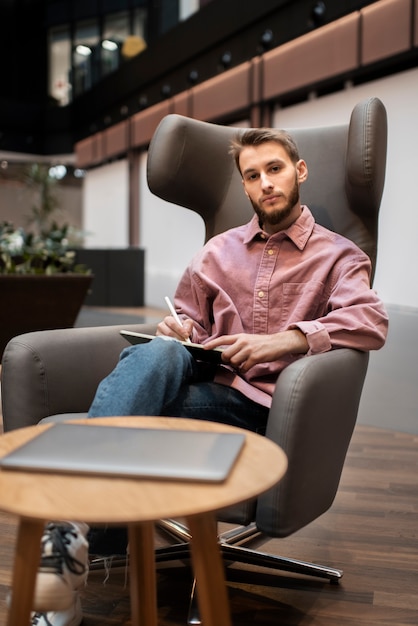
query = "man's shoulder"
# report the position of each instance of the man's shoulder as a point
(236, 232)
(336, 239)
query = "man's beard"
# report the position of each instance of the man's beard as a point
(274, 218)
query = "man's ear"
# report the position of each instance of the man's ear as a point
(302, 170)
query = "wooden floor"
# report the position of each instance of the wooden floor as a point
(371, 532)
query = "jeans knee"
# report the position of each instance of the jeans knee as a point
(161, 353)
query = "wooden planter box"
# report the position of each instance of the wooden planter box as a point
(118, 275)
(40, 302)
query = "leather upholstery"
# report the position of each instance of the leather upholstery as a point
(316, 399)
(189, 165)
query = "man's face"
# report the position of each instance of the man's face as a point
(271, 181)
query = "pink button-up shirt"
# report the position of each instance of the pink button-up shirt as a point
(306, 277)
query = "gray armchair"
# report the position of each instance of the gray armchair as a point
(316, 399)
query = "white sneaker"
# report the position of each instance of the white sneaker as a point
(63, 569)
(72, 616)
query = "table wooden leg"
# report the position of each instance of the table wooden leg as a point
(26, 563)
(209, 571)
(142, 574)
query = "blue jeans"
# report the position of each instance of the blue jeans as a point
(162, 378)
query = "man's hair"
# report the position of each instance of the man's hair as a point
(258, 136)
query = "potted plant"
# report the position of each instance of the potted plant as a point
(41, 286)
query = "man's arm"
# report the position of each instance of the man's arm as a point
(243, 351)
(356, 317)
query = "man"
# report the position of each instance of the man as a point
(269, 292)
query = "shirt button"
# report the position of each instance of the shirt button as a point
(261, 294)
(270, 252)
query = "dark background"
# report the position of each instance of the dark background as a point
(223, 34)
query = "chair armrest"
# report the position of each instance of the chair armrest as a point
(57, 371)
(312, 419)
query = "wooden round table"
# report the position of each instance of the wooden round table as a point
(37, 497)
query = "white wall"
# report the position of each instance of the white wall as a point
(171, 235)
(105, 206)
(395, 278)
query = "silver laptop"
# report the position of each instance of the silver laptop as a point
(125, 451)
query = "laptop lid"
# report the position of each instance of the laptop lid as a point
(125, 451)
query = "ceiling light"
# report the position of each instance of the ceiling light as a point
(193, 77)
(266, 39)
(226, 59)
(57, 171)
(107, 44)
(85, 51)
(318, 14)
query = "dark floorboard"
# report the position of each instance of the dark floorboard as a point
(371, 531)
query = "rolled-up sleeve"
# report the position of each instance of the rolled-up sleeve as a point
(356, 316)
(316, 335)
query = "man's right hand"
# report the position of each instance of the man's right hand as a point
(168, 327)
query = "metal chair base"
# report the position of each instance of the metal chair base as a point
(231, 551)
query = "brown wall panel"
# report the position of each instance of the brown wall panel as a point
(84, 151)
(324, 53)
(89, 151)
(182, 104)
(380, 30)
(116, 139)
(223, 94)
(143, 124)
(386, 29)
(256, 74)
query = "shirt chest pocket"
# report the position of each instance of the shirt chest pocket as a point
(303, 301)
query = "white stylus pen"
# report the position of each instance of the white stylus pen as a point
(174, 314)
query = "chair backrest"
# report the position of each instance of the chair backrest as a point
(189, 165)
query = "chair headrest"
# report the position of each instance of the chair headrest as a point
(189, 165)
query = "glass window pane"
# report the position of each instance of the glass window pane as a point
(168, 15)
(115, 31)
(140, 23)
(86, 56)
(59, 87)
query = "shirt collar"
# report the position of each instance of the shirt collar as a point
(299, 232)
